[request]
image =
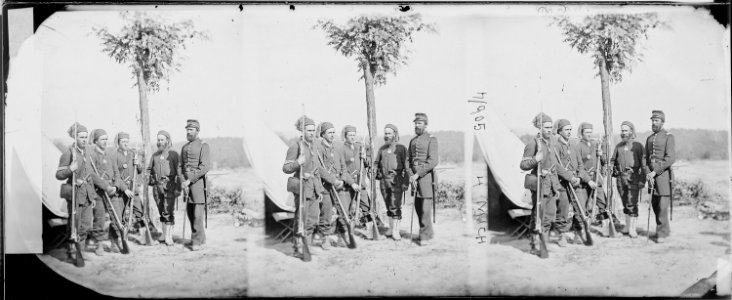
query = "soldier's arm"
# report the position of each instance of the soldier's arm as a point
(345, 175)
(639, 157)
(291, 166)
(150, 171)
(175, 173)
(528, 162)
(646, 157)
(63, 172)
(559, 165)
(377, 165)
(117, 175)
(432, 158)
(669, 157)
(325, 174)
(204, 164)
(583, 174)
(96, 179)
(613, 163)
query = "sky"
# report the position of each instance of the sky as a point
(264, 63)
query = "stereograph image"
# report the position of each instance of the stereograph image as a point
(380, 150)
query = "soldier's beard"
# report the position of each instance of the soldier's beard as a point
(190, 137)
(418, 131)
(655, 128)
(161, 146)
(625, 137)
(388, 140)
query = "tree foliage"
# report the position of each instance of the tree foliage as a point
(614, 38)
(149, 43)
(375, 41)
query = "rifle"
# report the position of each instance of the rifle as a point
(185, 198)
(113, 214)
(130, 205)
(580, 210)
(341, 211)
(72, 214)
(300, 203)
(372, 201)
(357, 203)
(205, 201)
(650, 201)
(538, 228)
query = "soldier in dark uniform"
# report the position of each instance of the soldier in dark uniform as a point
(124, 160)
(165, 177)
(629, 167)
(588, 151)
(75, 163)
(542, 154)
(423, 158)
(660, 155)
(302, 154)
(104, 167)
(195, 163)
(334, 175)
(571, 161)
(355, 162)
(391, 162)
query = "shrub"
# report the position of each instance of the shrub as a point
(450, 195)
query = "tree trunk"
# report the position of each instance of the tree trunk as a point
(145, 131)
(607, 121)
(371, 123)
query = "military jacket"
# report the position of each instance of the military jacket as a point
(311, 187)
(628, 164)
(351, 154)
(334, 165)
(660, 154)
(391, 163)
(570, 160)
(549, 183)
(123, 162)
(165, 173)
(422, 159)
(195, 162)
(85, 192)
(105, 169)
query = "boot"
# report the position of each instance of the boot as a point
(577, 237)
(632, 232)
(391, 225)
(168, 233)
(627, 225)
(164, 237)
(327, 240)
(605, 229)
(114, 247)
(562, 242)
(395, 232)
(99, 251)
(369, 230)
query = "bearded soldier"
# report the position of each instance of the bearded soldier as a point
(302, 154)
(356, 161)
(629, 167)
(660, 156)
(165, 177)
(75, 163)
(195, 163)
(124, 160)
(422, 160)
(334, 176)
(570, 160)
(391, 163)
(104, 167)
(588, 151)
(539, 152)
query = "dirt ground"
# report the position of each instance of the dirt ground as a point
(159, 271)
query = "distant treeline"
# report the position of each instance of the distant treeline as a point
(691, 144)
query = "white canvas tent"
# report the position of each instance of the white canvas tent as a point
(501, 150)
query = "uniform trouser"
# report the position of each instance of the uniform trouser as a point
(600, 202)
(136, 209)
(661, 206)
(393, 198)
(582, 197)
(166, 207)
(118, 204)
(326, 215)
(630, 197)
(98, 232)
(311, 212)
(83, 221)
(548, 211)
(345, 198)
(195, 213)
(563, 223)
(363, 205)
(423, 206)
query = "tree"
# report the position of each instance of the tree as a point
(149, 45)
(613, 40)
(377, 43)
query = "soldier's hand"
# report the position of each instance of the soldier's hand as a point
(111, 189)
(355, 186)
(129, 193)
(94, 203)
(134, 159)
(544, 172)
(599, 152)
(306, 176)
(73, 166)
(575, 181)
(338, 184)
(413, 179)
(185, 184)
(301, 160)
(539, 156)
(592, 184)
(651, 175)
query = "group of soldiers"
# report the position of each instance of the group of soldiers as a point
(100, 182)
(571, 174)
(331, 183)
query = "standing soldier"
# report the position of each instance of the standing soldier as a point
(422, 160)
(588, 151)
(301, 154)
(124, 160)
(660, 155)
(75, 162)
(335, 176)
(629, 166)
(195, 163)
(391, 162)
(351, 151)
(103, 165)
(165, 177)
(570, 160)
